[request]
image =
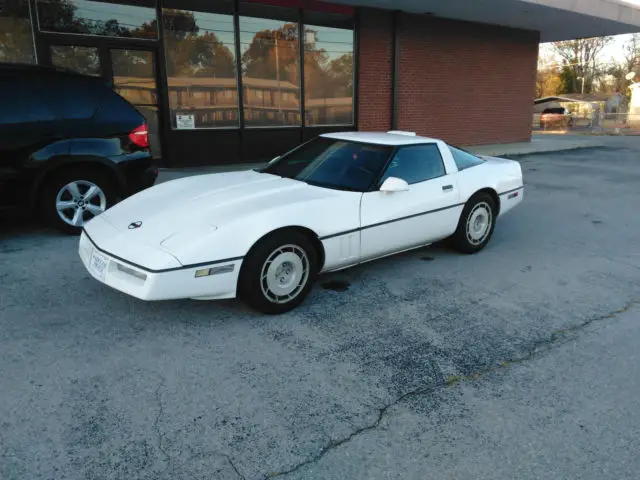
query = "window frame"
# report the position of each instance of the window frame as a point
(379, 182)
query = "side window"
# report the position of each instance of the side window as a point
(23, 100)
(416, 163)
(12, 97)
(464, 159)
(77, 97)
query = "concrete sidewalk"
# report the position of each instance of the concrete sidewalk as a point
(540, 143)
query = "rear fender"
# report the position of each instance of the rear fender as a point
(60, 163)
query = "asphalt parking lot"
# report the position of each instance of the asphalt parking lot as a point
(518, 362)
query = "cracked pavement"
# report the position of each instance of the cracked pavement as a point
(518, 362)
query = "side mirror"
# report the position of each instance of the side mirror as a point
(394, 184)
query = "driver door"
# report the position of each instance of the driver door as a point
(428, 211)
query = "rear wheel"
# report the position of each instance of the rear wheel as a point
(75, 196)
(476, 224)
(278, 272)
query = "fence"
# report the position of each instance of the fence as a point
(618, 123)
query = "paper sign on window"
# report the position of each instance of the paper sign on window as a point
(185, 122)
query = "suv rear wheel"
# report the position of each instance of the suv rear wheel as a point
(75, 196)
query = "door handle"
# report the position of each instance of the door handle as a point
(446, 188)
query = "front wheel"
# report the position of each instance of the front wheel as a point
(278, 272)
(476, 224)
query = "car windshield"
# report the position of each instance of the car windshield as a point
(332, 163)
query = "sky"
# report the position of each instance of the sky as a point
(612, 52)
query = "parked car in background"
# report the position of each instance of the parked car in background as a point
(556, 118)
(70, 147)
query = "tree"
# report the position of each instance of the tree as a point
(273, 54)
(548, 82)
(341, 72)
(190, 53)
(579, 62)
(618, 69)
(631, 52)
(16, 42)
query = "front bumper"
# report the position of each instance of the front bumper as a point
(169, 284)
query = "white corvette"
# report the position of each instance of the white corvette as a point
(263, 235)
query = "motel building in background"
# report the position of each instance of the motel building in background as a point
(232, 81)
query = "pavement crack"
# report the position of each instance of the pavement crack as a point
(556, 338)
(235, 469)
(156, 423)
(333, 444)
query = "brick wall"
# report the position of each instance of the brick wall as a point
(375, 70)
(466, 83)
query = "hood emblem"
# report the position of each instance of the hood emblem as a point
(133, 225)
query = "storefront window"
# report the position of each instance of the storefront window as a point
(134, 78)
(270, 72)
(90, 17)
(201, 69)
(85, 60)
(16, 35)
(328, 75)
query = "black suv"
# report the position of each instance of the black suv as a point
(70, 147)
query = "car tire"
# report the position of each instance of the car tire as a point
(70, 187)
(476, 225)
(278, 272)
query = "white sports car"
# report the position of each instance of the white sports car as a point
(262, 235)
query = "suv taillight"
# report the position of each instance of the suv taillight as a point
(140, 136)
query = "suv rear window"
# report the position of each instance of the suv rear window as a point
(23, 99)
(80, 97)
(76, 97)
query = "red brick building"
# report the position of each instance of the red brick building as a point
(227, 81)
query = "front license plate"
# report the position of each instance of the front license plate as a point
(99, 264)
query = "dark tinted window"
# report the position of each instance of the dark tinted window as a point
(416, 163)
(22, 100)
(76, 97)
(464, 159)
(117, 112)
(331, 163)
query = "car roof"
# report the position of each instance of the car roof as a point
(393, 138)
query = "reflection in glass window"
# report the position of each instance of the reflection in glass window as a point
(134, 79)
(328, 75)
(270, 72)
(133, 76)
(16, 35)
(201, 69)
(97, 18)
(85, 60)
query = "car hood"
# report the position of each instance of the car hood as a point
(203, 203)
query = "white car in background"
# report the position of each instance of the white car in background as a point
(263, 235)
